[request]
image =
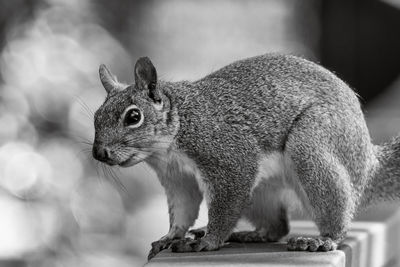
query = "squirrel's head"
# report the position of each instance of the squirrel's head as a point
(135, 121)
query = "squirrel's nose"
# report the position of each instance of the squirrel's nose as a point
(101, 153)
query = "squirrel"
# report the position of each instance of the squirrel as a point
(244, 137)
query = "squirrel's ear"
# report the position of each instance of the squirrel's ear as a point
(108, 80)
(146, 77)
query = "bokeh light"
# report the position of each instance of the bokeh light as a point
(25, 228)
(26, 172)
(67, 166)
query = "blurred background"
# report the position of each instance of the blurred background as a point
(60, 208)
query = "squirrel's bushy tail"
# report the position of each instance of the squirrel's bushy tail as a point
(384, 182)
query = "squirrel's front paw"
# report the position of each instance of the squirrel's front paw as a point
(158, 246)
(207, 243)
(311, 244)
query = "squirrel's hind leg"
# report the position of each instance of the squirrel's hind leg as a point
(323, 184)
(327, 197)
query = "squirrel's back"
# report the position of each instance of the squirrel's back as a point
(264, 95)
(284, 74)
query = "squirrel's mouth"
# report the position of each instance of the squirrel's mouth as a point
(127, 163)
(133, 160)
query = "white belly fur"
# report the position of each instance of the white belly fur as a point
(274, 168)
(187, 165)
(270, 165)
(276, 172)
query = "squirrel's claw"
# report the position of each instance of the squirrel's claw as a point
(205, 244)
(158, 246)
(311, 244)
(182, 245)
(190, 245)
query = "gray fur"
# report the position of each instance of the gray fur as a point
(218, 128)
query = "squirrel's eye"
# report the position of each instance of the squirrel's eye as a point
(133, 118)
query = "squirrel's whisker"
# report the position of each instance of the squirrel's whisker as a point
(85, 107)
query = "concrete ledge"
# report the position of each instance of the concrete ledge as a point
(372, 241)
(234, 254)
